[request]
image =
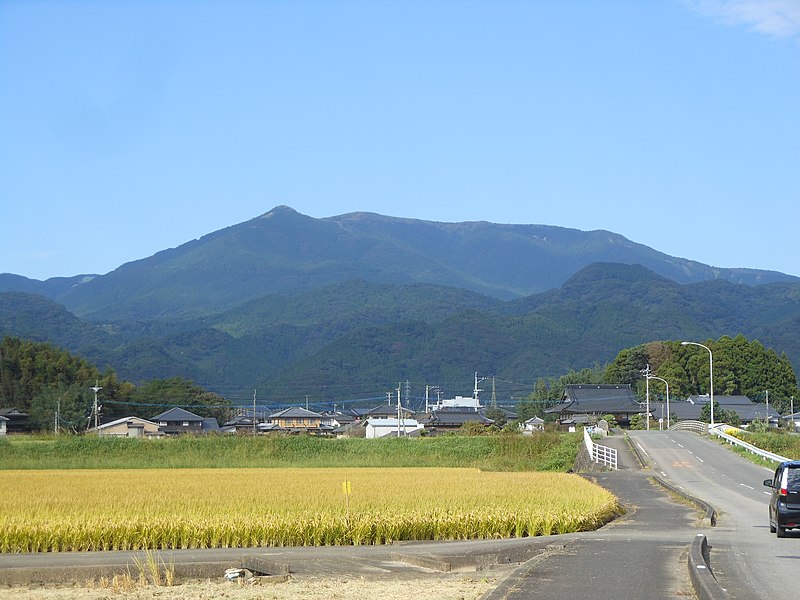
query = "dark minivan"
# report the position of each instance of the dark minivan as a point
(784, 504)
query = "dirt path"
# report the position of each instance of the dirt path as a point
(433, 586)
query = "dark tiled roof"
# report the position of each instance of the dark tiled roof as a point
(742, 405)
(453, 418)
(597, 399)
(295, 412)
(177, 414)
(12, 412)
(210, 424)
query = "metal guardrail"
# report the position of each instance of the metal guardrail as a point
(599, 453)
(718, 431)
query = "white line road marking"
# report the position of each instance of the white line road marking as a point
(700, 459)
(680, 445)
(749, 487)
(664, 474)
(642, 449)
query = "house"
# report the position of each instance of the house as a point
(747, 410)
(176, 421)
(463, 402)
(240, 423)
(3, 421)
(211, 425)
(531, 425)
(451, 419)
(587, 402)
(376, 428)
(299, 420)
(126, 427)
(388, 411)
(17, 421)
(337, 419)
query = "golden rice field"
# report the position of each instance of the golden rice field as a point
(44, 511)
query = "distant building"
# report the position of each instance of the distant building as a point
(377, 428)
(463, 402)
(3, 421)
(126, 427)
(531, 425)
(176, 421)
(17, 421)
(298, 420)
(582, 403)
(388, 411)
(450, 419)
(747, 410)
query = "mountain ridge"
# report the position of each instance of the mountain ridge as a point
(284, 251)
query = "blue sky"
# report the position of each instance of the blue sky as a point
(128, 127)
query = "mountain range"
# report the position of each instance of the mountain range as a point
(349, 306)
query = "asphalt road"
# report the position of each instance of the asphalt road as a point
(748, 561)
(641, 556)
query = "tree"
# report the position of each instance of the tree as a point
(705, 413)
(159, 394)
(497, 415)
(627, 367)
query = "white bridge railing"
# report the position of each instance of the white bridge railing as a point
(696, 426)
(598, 453)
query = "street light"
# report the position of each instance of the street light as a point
(710, 374)
(666, 384)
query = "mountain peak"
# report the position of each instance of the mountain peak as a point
(281, 210)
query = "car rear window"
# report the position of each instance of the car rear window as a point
(793, 478)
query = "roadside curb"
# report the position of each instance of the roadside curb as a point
(635, 451)
(705, 584)
(703, 580)
(710, 517)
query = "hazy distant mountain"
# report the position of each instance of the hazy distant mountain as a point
(50, 288)
(284, 252)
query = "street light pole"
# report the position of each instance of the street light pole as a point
(666, 384)
(710, 374)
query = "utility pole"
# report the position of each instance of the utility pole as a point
(494, 393)
(96, 408)
(647, 394)
(254, 413)
(767, 408)
(477, 391)
(58, 415)
(306, 401)
(399, 408)
(428, 389)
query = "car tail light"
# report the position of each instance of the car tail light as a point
(784, 483)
